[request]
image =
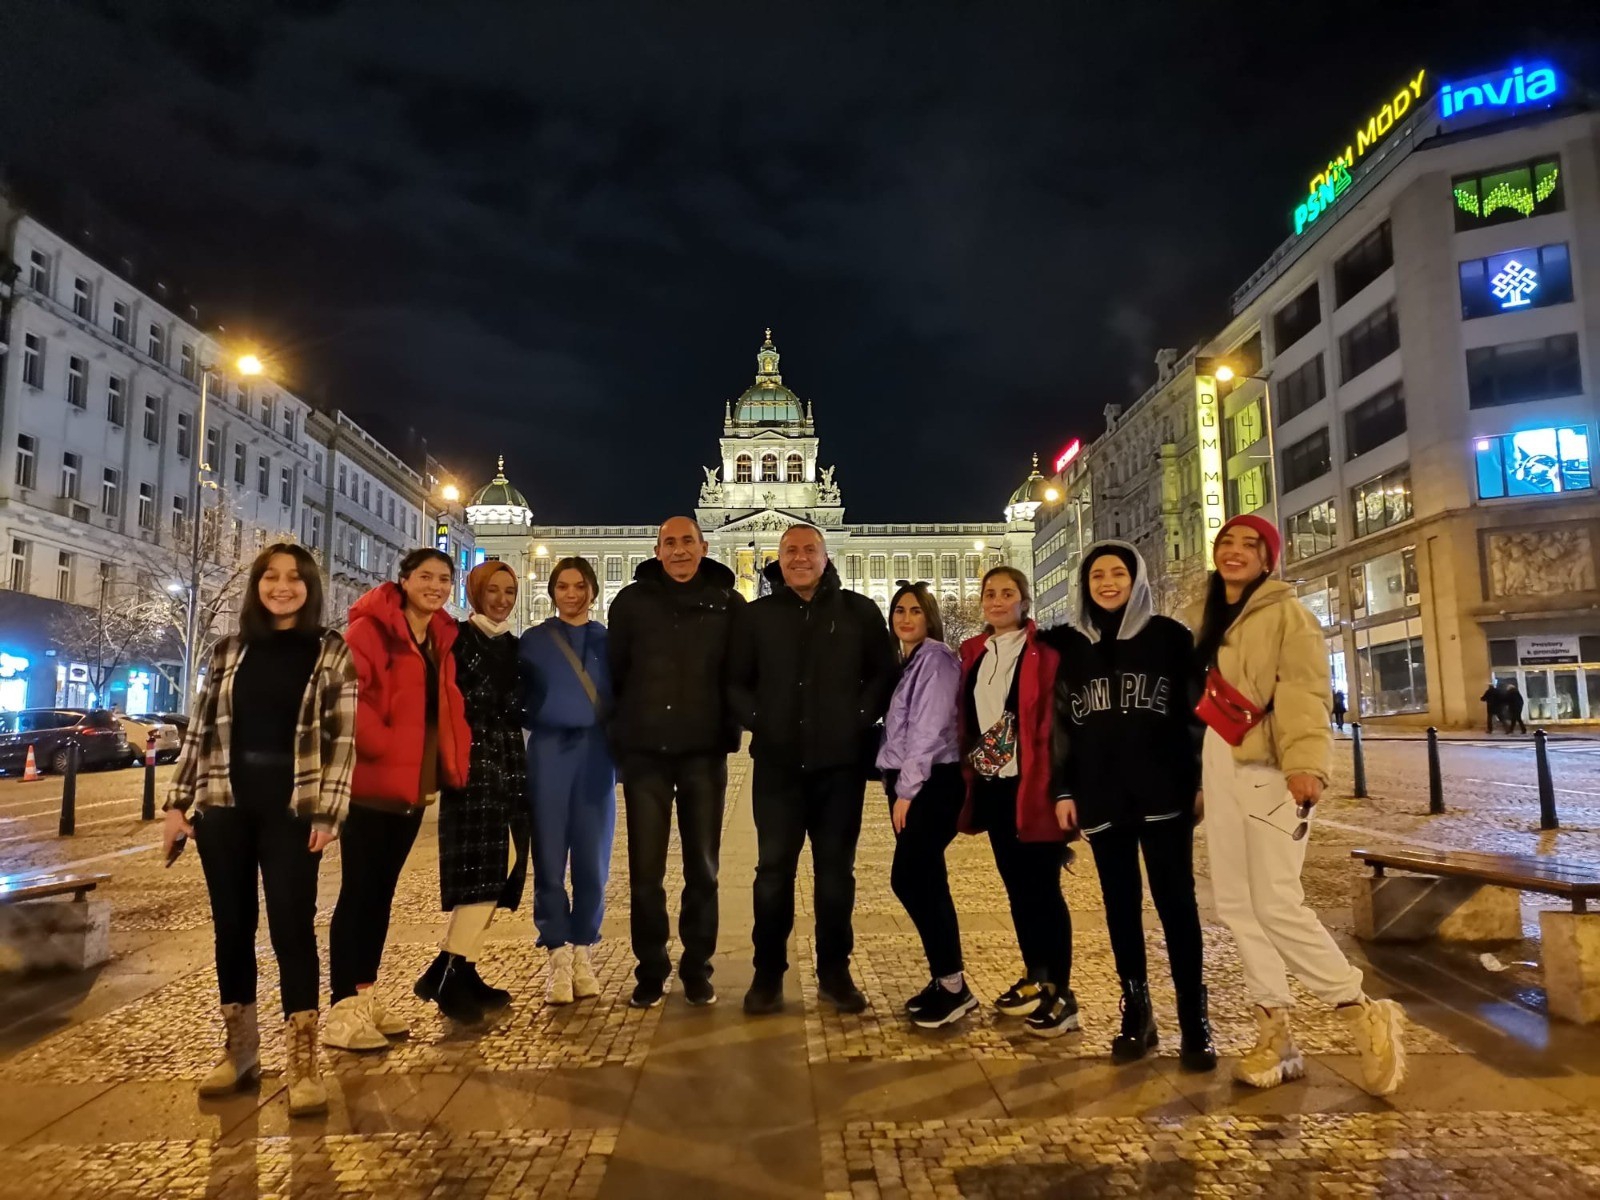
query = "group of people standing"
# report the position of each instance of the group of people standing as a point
(1032, 738)
(1503, 702)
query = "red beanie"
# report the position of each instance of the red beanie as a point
(1271, 539)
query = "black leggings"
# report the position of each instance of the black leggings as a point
(260, 835)
(918, 876)
(1169, 863)
(1031, 872)
(373, 849)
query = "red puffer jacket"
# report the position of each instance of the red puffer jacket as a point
(391, 703)
(1036, 810)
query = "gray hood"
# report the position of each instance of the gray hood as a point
(1141, 604)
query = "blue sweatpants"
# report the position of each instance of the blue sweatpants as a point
(572, 786)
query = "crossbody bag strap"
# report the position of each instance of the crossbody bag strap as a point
(576, 664)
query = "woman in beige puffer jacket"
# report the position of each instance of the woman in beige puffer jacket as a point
(1259, 797)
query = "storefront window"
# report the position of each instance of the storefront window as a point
(1392, 669)
(1384, 584)
(1321, 596)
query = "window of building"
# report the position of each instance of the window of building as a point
(241, 399)
(77, 382)
(1393, 672)
(111, 492)
(1516, 371)
(1306, 460)
(120, 322)
(742, 469)
(63, 575)
(1245, 428)
(39, 271)
(33, 360)
(116, 401)
(1533, 462)
(288, 422)
(286, 487)
(1313, 531)
(1373, 422)
(313, 530)
(878, 567)
(1385, 584)
(1537, 277)
(147, 506)
(71, 472)
(27, 461)
(974, 567)
(152, 419)
(238, 464)
(794, 468)
(1297, 318)
(155, 344)
(1381, 503)
(213, 449)
(17, 566)
(185, 435)
(82, 298)
(391, 510)
(902, 567)
(268, 410)
(186, 366)
(1528, 189)
(366, 494)
(852, 566)
(1250, 488)
(1362, 264)
(1300, 389)
(263, 474)
(925, 568)
(613, 568)
(180, 509)
(342, 479)
(1369, 342)
(769, 468)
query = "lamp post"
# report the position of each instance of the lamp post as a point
(247, 364)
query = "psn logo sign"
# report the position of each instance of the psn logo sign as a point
(1513, 285)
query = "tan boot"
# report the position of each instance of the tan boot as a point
(1379, 1028)
(584, 984)
(241, 1055)
(1275, 1058)
(307, 1095)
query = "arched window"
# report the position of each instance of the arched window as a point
(742, 469)
(769, 468)
(795, 468)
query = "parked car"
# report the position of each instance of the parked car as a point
(178, 719)
(169, 738)
(52, 731)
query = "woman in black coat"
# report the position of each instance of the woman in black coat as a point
(1127, 773)
(484, 827)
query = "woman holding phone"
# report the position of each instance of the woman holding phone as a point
(263, 786)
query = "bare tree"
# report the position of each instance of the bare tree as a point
(106, 638)
(963, 618)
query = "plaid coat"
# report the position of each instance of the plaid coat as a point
(482, 823)
(324, 743)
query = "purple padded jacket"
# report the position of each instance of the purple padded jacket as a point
(921, 728)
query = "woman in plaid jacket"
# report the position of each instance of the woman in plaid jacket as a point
(262, 785)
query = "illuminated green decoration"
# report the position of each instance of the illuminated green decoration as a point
(1506, 194)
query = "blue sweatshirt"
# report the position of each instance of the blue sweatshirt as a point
(552, 691)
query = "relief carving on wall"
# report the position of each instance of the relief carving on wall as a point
(1541, 562)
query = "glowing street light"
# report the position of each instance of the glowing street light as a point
(450, 493)
(248, 364)
(1051, 495)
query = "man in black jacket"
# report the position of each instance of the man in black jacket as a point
(811, 671)
(673, 732)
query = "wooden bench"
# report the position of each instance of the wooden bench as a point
(1472, 896)
(40, 931)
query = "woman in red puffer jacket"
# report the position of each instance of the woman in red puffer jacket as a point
(412, 739)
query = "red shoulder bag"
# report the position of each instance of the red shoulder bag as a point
(1227, 710)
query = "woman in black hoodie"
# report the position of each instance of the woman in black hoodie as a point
(1127, 771)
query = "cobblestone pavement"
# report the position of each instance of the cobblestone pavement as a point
(600, 1100)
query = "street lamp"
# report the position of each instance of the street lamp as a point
(1224, 372)
(450, 493)
(246, 364)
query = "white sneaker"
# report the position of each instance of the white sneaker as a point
(584, 985)
(558, 980)
(383, 1020)
(1379, 1027)
(1275, 1058)
(350, 1027)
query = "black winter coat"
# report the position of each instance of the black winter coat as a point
(812, 679)
(669, 651)
(480, 823)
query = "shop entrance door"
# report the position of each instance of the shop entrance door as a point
(1553, 694)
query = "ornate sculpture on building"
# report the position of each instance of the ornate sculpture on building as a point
(711, 490)
(827, 489)
(1541, 562)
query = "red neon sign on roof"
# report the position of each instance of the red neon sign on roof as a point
(1064, 459)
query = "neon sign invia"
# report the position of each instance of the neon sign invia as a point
(1499, 90)
(1328, 184)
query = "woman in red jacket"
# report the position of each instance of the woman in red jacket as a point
(411, 740)
(1007, 705)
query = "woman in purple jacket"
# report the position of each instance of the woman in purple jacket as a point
(921, 767)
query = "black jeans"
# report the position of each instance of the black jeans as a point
(790, 805)
(918, 876)
(260, 834)
(1031, 872)
(650, 784)
(372, 850)
(1169, 863)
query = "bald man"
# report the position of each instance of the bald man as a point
(673, 732)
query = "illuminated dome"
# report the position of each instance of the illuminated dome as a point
(1025, 501)
(767, 401)
(498, 503)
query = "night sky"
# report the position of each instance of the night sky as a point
(557, 231)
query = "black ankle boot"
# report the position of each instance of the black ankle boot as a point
(454, 994)
(427, 985)
(490, 999)
(1194, 1019)
(1138, 1036)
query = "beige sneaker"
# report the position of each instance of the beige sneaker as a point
(350, 1026)
(1379, 1027)
(584, 985)
(241, 1054)
(558, 981)
(307, 1094)
(1275, 1058)
(384, 1021)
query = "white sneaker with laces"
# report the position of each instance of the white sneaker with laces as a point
(558, 980)
(383, 1020)
(584, 984)
(349, 1027)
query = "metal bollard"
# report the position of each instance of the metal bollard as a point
(1358, 760)
(1435, 779)
(69, 793)
(148, 811)
(1547, 787)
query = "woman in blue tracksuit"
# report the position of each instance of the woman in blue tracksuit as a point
(571, 778)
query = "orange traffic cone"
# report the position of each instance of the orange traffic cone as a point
(31, 773)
